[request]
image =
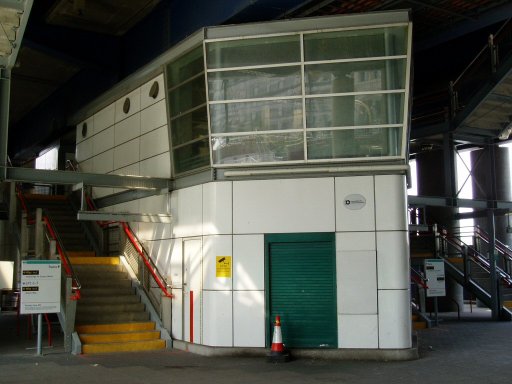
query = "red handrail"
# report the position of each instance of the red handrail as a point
(135, 244)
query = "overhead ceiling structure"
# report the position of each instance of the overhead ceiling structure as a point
(13, 20)
(76, 49)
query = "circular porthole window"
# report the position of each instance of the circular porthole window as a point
(126, 105)
(84, 129)
(153, 91)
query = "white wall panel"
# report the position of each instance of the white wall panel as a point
(249, 318)
(358, 331)
(127, 129)
(174, 272)
(153, 117)
(391, 203)
(134, 97)
(217, 318)
(104, 162)
(280, 206)
(126, 154)
(155, 204)
(393, 260)
(356, 282)
(161, 254)
(84, 150)
(213, 246)
(130, 170)
(158, 166)
(355, 241)
(187, 212)
(217, 208)
(154, 143)
(248, 262)
(103, 141)
(394, 319)
(104, 118)
(177, 314)
(347, 218)
(151, 231)
(86, 166)
(145, 98)
(80, 129)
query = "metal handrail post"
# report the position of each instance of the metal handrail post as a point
(39, 237)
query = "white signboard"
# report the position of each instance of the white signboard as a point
(434, 272)
(40, 286)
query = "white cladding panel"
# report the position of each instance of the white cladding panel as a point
(104, 118)
(355, 241)
(217, 208)
(218, 318)
(174, 273)
(145, 99)
(393, 259)
(127, 129)
(104, 162)
(158, 166)
(154, 143)
(249, 318)
(187, 212)
(391, 203)
(161, 252)
(86, 166)
(134, 98)
(127, 153)
(150, 231)
(248, 262)
(177, 314)
(281, 206)
(130, 170)
(358, 331)
(88, 131)
(213, 246)
(394, 319)
(153, 117)
(355, 217)
(103, 141)
(357, 282)
(83, 150)
(154, 204)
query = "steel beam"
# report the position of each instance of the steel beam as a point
(30, 175)
(440, 201)
(125, 196)
(5, 95)
(124, 216)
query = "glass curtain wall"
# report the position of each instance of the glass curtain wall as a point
(308, 97)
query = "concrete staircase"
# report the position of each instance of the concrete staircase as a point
(110, 316)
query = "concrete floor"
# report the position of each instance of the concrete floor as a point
(473, 350)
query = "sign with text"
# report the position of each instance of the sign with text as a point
(40, 286)
(223, 266)
(434, 272)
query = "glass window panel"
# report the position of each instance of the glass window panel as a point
(185, 67)
(190, 126)
(187, 96)
(254, 83)
(192, 156)
(341, 111)
(355, 77)
(256, 116)
(250, 52)
(262, 148)
(355, 44)
(350, 143)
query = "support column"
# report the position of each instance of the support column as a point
(5, 95)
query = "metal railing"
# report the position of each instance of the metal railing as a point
(481, 69)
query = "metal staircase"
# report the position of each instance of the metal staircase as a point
(469, 264)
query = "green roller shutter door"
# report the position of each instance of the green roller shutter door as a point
(301, 288)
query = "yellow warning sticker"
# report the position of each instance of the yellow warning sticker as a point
(223, 266)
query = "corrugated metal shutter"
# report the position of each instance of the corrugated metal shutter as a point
(302, 289)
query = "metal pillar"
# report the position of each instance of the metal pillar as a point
(5, 95)
(495, 300)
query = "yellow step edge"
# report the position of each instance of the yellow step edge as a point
(95, 260)
(130, 346)
(455, 259)
(115, 327)
(119, 337)
(419, 325)
(508, 303)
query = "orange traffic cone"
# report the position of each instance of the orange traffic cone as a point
(278, 354)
